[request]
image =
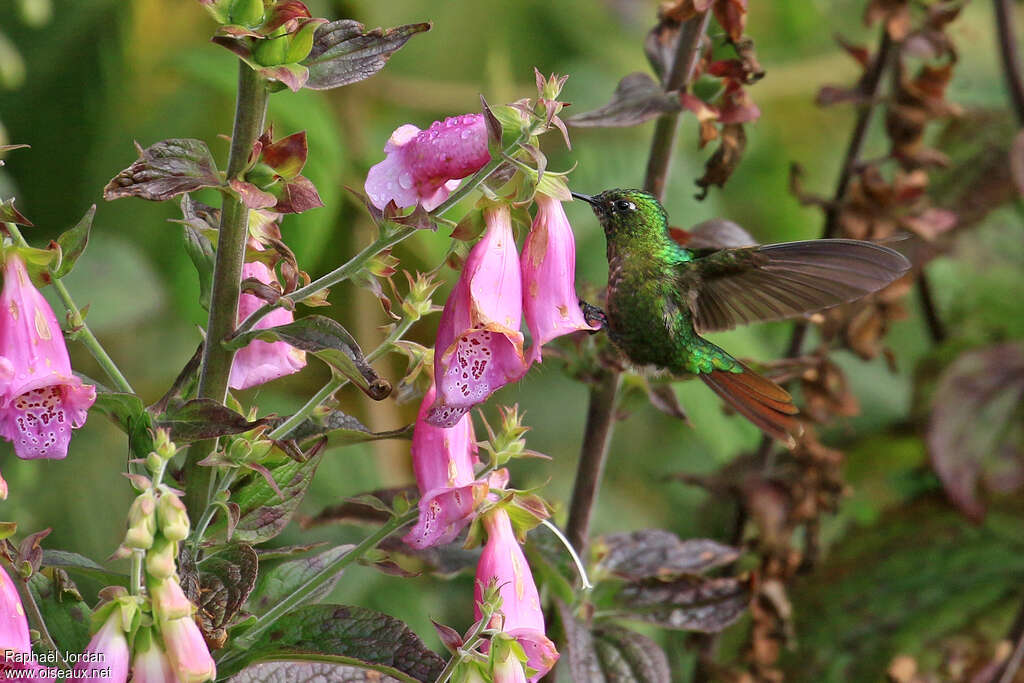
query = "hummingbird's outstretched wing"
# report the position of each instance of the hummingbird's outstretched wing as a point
(778, 281)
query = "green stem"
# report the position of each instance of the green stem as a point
(388, 239)
(34, 616)
(468, 645)
(314, 583)
(250, 112)
(81, 329)
(136, 581)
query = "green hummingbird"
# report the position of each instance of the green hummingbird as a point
(662, 296)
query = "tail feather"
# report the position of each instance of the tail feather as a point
(767, 405)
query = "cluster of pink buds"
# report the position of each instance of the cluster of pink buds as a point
(41, 401)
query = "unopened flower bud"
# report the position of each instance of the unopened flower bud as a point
(162, 444)
(141, 521)
(418, 302)
(247, 12)
(509, 443)
(172, 517)
(187, 651)
(153, 463)
(169, 601)
(160, 558)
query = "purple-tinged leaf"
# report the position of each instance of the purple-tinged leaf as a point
(628, 657)
(294, 76)
(282, 579)
(361, 636)
(344, 52)
(450, 638)
(261, 512)
(656, 553)
(579, 642)
(80, 564)
(660, 46)
(286, 156)
(636, 99)
(298, 195)
(9, 214)
(342, 429)
(317, 670)
(73, 243)
(225, 581)
(976, 431)
(691, 603)
(328, 341)
(664, 398)
(164, 170)
(204, 418)
(252, 196)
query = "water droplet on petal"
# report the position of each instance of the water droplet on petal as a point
(405, 180)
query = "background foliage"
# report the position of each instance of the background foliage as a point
(903, 571)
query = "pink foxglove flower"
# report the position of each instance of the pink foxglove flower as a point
(261, 361)
(520, 616)
(548, 261)
(16, 658)
(107, 654)
(443, 459)
(187, 650)
(40, 400)
(424, 166)
(479, 345)
(150, 665)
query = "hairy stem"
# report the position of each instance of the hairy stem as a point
(1009, 54)
(250, 111)
(604, 395)
(82, 330)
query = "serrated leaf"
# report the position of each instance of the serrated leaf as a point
(80, 564)
(637, 98)
(204, 418)
(316, 670)
(628, 657)
(344, 52)
(225, 582)
(343, 429)
(579, 641)
(328, 341)
(656, 553)
(262, 514)
(65, 615)
(281, 580)
(200, 251)
(164, 170)
(356, 633)
(73, 243)
(691, 603)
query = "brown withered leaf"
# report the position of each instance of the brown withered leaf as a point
(664, 398)
(976, 432)
(637, 98)
(690, 603)
(661, 41)
(894, 13)
(345, 52)
(725, 159)
(731, 16)
(657, 553)
(225, 582)
(826, 391)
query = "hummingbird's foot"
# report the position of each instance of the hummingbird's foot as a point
(594, 316)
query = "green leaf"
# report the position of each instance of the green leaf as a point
(362, 636)
(200, 251)
(344, 52)
(204, 418)
(262, 514)
(316, 669)
(129, 413)
(166, 169)
(279, 581)
(73, 243)
(343, 429)
(328, 341)
(80, 564)
(9, 214)
(65, 615)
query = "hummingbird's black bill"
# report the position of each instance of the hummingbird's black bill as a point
(585, 197)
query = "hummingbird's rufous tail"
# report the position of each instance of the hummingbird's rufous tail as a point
(760, 400)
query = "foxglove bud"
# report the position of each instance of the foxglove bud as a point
(160, 558)
(169, 601)
(187, 650)
(172, 517)
(141, 521)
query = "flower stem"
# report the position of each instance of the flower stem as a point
(936, 328)
(136, 576)
(604, 395)
(250, 111)
(1010, 56)
(468, 645)
(387, 239)
(81, 328)
(302, 593)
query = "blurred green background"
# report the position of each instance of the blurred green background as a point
(101, 74)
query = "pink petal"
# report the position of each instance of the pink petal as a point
(442, 456)
(13, 624)
(187, 650)
(444, 512)
(421, 164)
(549, 277)
(111, 648)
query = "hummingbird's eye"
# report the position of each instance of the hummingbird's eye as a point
(623, 206)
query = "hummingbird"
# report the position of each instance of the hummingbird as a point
(662, 296)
